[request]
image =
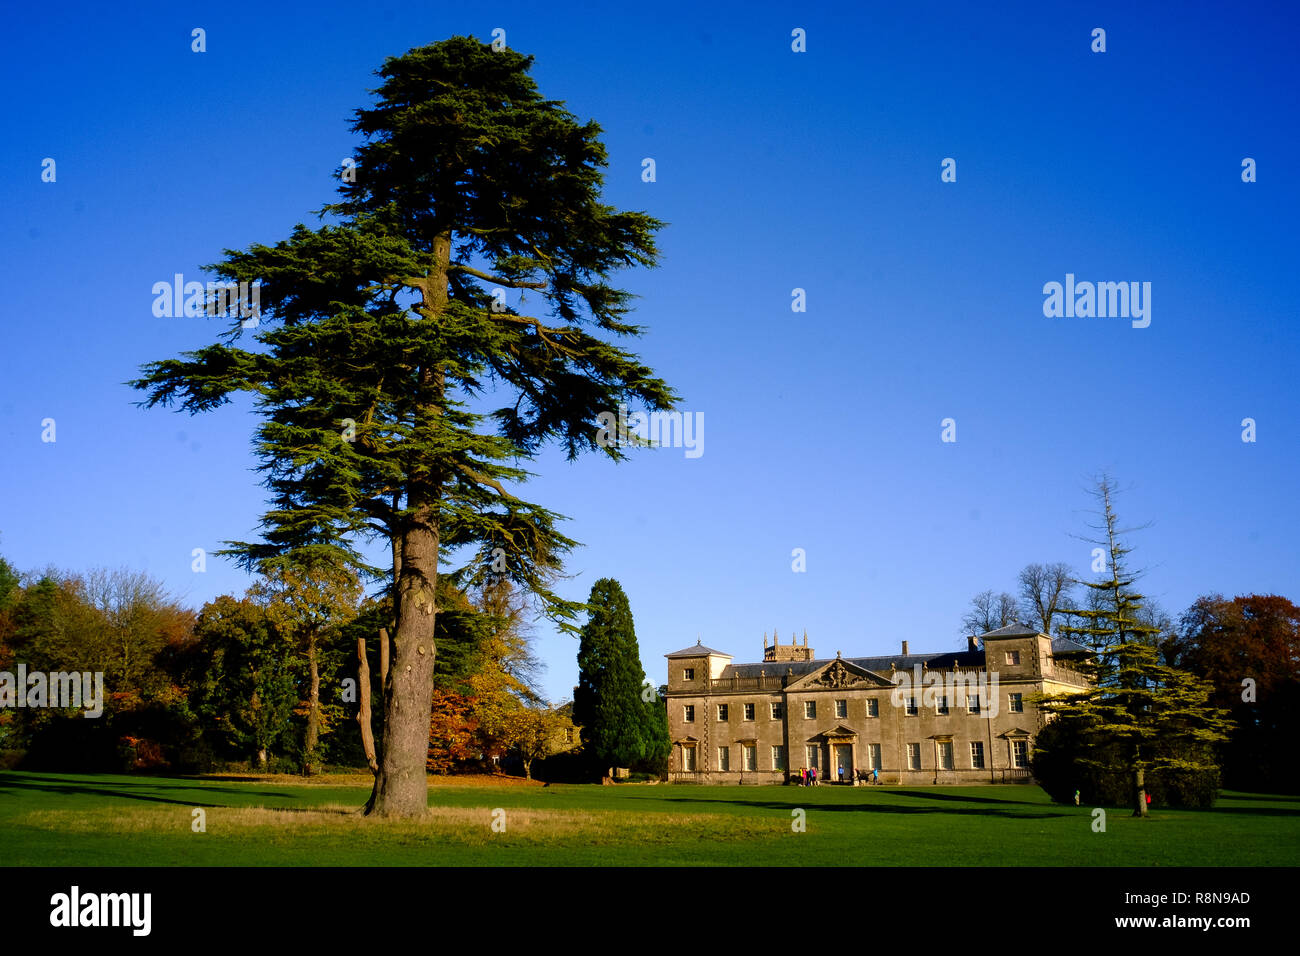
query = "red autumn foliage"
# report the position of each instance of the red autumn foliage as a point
(451, 731)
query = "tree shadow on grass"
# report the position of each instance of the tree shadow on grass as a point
(1270, 797)
(126, 790)
(1008, 813)
(960, 798)
(1249, 811)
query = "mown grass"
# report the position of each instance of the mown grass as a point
(89, 820)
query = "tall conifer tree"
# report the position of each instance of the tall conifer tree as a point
(378, 332)
(607, 702)
(1151, 716)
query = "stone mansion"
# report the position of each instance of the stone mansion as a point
(951, 717)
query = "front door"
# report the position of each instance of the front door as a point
(843, 764)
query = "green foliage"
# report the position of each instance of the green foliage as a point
(1114, 615)
(1142, 715)
(607, 702)
(243, 676)
(1066, 758)
(9, 580)
(659, 744)
(398, 394)
(464, 162)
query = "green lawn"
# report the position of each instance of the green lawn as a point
(89, 820)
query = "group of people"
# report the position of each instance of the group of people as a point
(808, 776)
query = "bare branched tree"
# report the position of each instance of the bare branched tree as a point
(989, 611)
(1044, 590)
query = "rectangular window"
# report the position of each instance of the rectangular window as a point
(810, 709)
(945, 755)
(749, 711)
(1017, 703)
(689, 713)
(778, 758)
(724, 759)
(973, 703)
(814, 755)
(941, 708)
(722, 712)
(688, 759)
(751, 756)
(688, 673)
(1020, 753)
(977, 755)
(841, 708)
(873, 757)
(778, 711)
(1013, 658)
(913, 756)
(873, 707)
(911, 707)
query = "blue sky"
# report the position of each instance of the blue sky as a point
(775, 170)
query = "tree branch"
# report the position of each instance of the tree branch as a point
(510, 283)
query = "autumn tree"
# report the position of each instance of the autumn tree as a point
(111, 620)
(1248, 648)
(452, 731)
(539, 732)
(502, 684)
(385, 333)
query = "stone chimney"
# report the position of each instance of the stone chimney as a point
(972, 643)
(905, 648)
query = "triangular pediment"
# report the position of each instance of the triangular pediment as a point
(1014, 732)
(839, 733)
(839, 674)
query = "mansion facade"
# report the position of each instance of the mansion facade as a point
(952, 717)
